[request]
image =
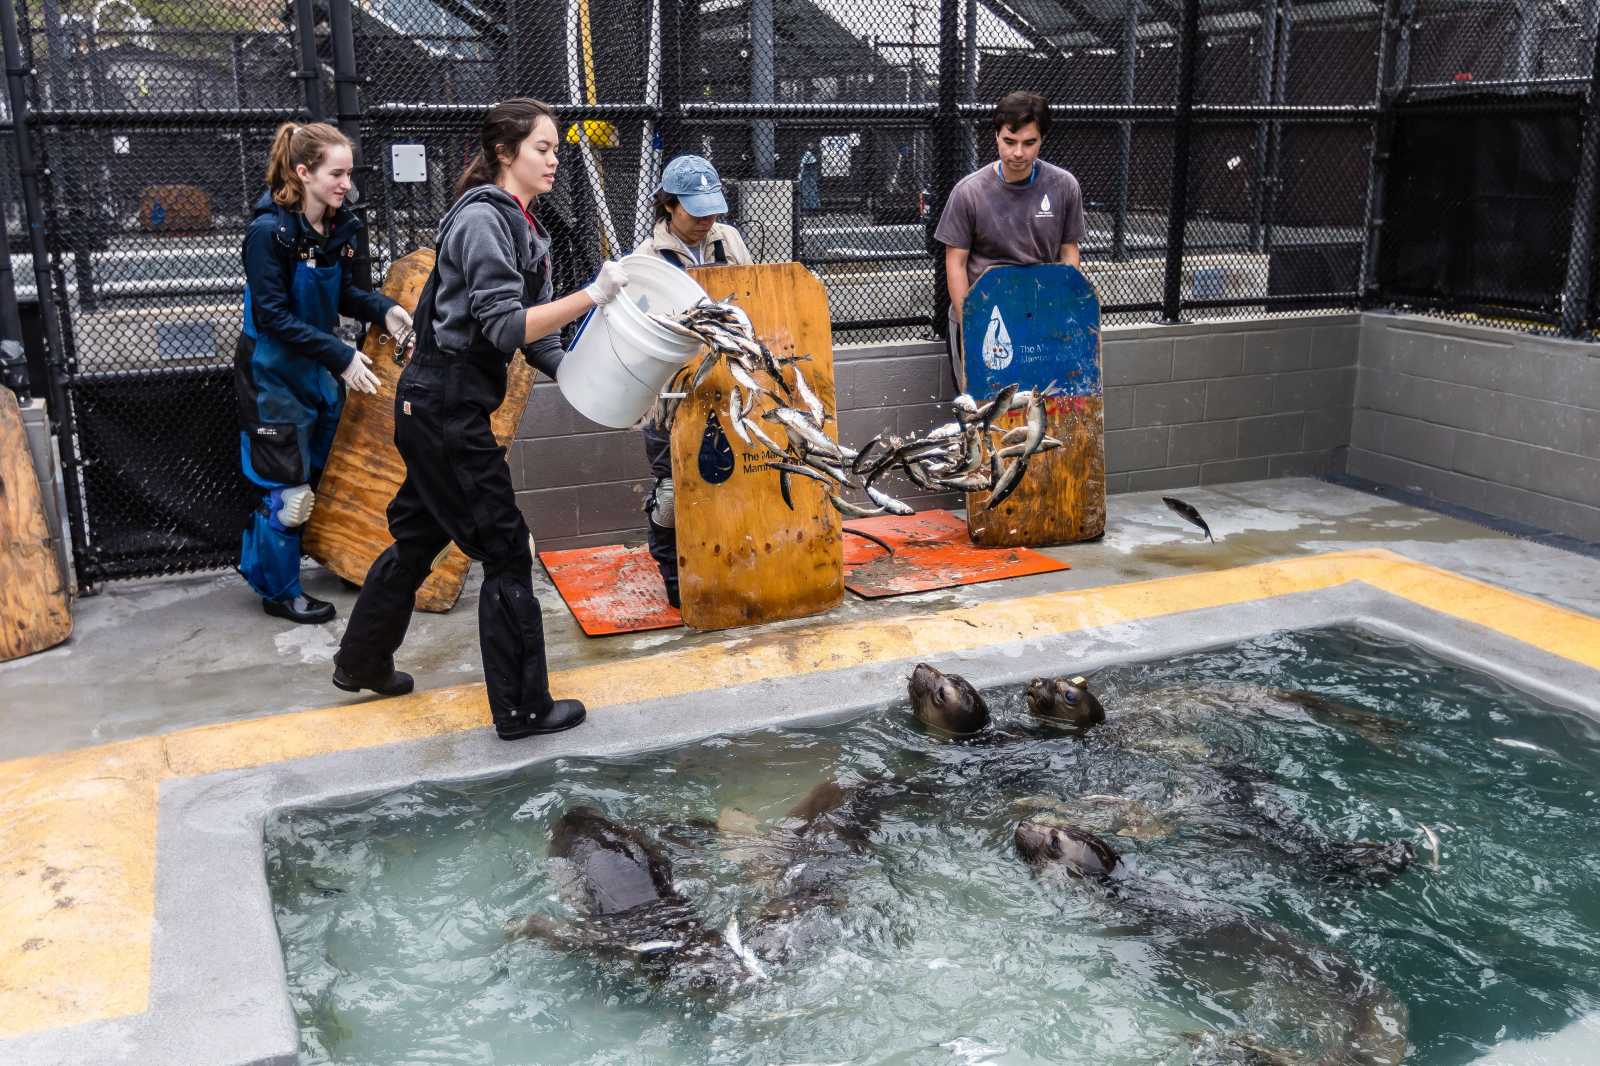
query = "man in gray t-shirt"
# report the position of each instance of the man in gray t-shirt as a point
(1017, 211)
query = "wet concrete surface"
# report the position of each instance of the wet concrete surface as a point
(157, 656)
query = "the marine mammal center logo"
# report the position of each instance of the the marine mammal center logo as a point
(997, 350)
(1044, 208)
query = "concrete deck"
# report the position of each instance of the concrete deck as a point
(145, 753)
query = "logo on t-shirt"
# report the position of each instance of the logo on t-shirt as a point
(997, 350)
(1044, 208)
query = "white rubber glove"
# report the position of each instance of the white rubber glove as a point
(604, 288)
(359, 376)
(397, 321)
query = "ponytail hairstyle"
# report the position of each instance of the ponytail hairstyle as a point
(296, 145)
(505, 126)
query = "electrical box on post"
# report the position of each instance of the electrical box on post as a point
(408, 162)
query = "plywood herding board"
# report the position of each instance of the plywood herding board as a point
(349, 528)
(744, 556)
(33, 592)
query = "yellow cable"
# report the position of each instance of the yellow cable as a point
(591, 93)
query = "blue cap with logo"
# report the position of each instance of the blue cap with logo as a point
(694, 181)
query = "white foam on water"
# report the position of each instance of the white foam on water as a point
(1572, 1046)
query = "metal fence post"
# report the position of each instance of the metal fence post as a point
(10, 313)
(669, 126)
(763, 88)
(947, 136)
(1575, 301)
(310, 72)
(1266, 93)
(347, 100)
(1129, 57)
(1280, 93)
(33, 204)
(1392, 62)
(1178, 206)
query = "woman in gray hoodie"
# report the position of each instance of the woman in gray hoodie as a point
(488, 296)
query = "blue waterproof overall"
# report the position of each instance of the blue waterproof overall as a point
(297, 404)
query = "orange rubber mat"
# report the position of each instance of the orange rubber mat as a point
(616, 589)
(931, 551)
(611, 589)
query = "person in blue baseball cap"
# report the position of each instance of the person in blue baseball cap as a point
(688, 232)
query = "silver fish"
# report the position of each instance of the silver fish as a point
(996, 407)
(675, 326)
(1433, 845)
(707, 365)
(800, 426)
(850, 510)
(734, 404)
(809, 398)
(1007, 483)
(743, 377)
(730, 936)
(861, 457)
(889, 503)
(760, 435)
(837, 473)
(966, 483)
(796, 468)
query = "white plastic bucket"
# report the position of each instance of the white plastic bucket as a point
(620, 360)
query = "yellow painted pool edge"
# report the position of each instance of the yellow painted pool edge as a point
(77, 869)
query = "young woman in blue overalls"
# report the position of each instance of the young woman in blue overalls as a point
(290, 370)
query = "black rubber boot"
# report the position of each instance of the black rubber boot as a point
(302, 608)
(398, 683)
(562, 715)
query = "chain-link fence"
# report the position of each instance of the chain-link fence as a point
(1237, 157)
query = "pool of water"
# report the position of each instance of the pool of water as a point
(944, 946)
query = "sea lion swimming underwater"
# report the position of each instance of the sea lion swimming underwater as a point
(1256, 968)
(802, 864)
(620, 883)
(1219, 789)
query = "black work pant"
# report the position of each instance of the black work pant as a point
(457, 488)
(663, 539)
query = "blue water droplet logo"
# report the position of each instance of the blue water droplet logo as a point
(716, 454)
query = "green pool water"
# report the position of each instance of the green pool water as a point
(948, 948)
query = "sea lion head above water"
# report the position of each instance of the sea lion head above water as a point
(947, 703)
(1073, 851)
(1064, 701)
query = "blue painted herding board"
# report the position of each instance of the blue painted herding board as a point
(1030, 326)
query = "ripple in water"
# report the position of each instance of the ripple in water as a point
(1233, 925)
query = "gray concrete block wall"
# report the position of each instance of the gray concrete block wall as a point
(1228, 401)
(1185, 405)
(1504, 423)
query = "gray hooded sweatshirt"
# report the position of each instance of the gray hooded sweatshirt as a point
(490, 263)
